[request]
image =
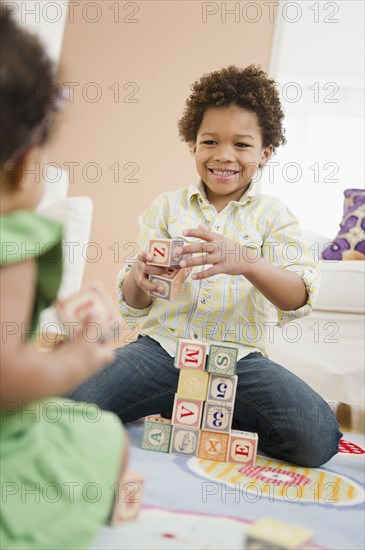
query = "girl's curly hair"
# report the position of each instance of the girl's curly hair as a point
(26, 76)
(249, 88)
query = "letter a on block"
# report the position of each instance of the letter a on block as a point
(156, 437)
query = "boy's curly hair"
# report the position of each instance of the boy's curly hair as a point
(26, 77)
(249, 88)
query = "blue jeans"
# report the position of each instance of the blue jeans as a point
(292, 421)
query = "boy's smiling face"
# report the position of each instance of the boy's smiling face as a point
(227, 151)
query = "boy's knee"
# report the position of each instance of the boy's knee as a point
(312, 448)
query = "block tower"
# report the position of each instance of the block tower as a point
(203, 408)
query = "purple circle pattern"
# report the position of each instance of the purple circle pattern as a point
(351, 235)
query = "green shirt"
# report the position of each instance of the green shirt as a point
(25, 235)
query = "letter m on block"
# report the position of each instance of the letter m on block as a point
(193, 356)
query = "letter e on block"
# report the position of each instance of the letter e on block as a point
(242, 447)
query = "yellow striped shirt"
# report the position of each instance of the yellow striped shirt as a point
(222, 308)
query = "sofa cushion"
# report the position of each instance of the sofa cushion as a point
(342, 287)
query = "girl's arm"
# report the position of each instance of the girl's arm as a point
(26, 373)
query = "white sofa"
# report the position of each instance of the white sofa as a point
(326, 349)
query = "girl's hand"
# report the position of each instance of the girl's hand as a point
(86, 355)
(224, 255)
(90, 356)
(141, 270)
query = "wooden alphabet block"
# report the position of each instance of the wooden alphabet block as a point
(217, 416)
(187, 413)
(128, 498)
(157, 434)
(273, 534)
(171, 282)
(193, 384)
(92, 302)
(157, 418)
(213, 446)
(242, 447)
(184, 441)
(222, 360)
(163, 251)
(222, 388)
(190, 354)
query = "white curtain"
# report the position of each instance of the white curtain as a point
(318, 63)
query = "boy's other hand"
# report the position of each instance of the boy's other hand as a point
(141, 270)
(222, 254)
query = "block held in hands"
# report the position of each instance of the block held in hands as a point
(91, 305)
(171, 282)
(163, 251)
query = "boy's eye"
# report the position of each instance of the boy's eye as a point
(241, 145)
(209, 142)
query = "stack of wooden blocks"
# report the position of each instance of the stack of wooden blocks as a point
(163, 251)
(203, 408)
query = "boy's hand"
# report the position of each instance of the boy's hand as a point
(224, 255)
(141, 270)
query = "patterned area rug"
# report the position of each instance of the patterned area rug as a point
(202, 504)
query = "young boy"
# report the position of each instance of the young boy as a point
(240, 241)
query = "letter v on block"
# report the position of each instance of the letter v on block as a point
(187, 413)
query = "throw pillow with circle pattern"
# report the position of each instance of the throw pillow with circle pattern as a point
(351, 236)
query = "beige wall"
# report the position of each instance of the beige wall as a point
(159, 48)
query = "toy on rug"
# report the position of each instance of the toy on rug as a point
(203, 408)
(129, 496)
(272, 534)
(163, 251)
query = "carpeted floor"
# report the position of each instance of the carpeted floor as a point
(200, 504)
